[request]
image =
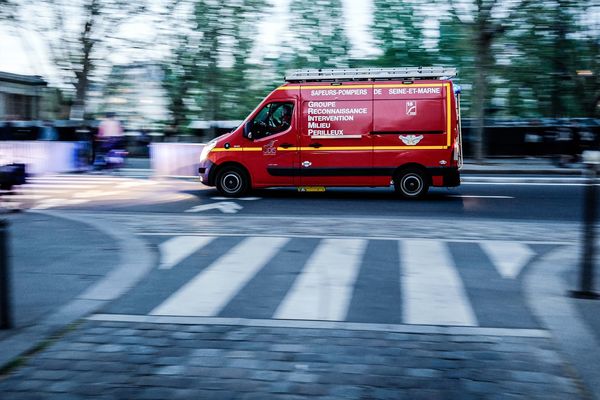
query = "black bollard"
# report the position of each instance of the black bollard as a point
(586, 279)
(5, 314)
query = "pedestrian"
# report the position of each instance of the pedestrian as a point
(110, 136)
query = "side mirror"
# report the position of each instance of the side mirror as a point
(248, 130)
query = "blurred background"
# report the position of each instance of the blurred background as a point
(188, 70)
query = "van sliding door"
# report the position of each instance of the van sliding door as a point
(336, 145)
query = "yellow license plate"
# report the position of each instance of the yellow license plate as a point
(311, 189)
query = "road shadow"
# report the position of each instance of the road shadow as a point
(359, 194)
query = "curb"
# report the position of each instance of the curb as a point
(501, 170)
(135, 260)
(547, 295)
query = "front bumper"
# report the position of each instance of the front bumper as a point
(204, 172)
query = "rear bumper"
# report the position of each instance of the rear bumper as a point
(450, 175)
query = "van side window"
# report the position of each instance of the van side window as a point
(273, 118)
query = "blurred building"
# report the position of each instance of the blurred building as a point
(134, 92)
(206, 130)
(21, 96)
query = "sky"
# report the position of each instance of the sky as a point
(26, 53)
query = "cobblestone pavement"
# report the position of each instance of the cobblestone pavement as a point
(126, 360)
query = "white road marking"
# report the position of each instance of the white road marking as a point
(96, 193)
(468, 196)
(131, 184)
(525, 184)
(509, 258)
(555, 179)
(226, 207)
(25, 197)
(28, 190)
(51, 203)
(178, 248)
(238, 198)
(73, 177)
(432, 290)
(68, 180)
(324, 288)
(56, 186)
(213, 288)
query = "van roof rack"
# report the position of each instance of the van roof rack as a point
(362, 74)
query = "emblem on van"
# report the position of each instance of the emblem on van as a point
(410, 140)
(270, 149)
(411, 108)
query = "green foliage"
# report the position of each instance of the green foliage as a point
(207, 76)
(399, 29)
(515, 59)
(548, 50)
(8, 10)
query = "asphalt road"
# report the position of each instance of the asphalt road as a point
(196, 255)
(361, 257)
(535, 201)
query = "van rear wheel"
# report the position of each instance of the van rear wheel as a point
(232, 181)
(411, 183)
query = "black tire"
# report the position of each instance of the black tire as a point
(232, 181)
(411, 183)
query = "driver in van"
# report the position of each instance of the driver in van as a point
(285, 121)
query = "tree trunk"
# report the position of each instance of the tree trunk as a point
(480, 89)
(82, 74)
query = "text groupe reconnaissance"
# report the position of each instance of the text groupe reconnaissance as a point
(329, 107)
(322, 113)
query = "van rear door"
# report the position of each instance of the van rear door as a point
(410, 122)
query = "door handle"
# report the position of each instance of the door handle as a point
(315, 145)
(285, 145)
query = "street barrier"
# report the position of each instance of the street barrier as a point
(175, 159)
(40, 157)
(5, 307)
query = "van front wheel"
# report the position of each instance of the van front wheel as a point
(411, 183)
(232, 182)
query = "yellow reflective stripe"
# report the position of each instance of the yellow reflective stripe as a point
(376, 86)
(448, 113)
(410, 148)
(335, 148)
(221, 149)
(376, 148)
(389, 85)
(325, 87)
(229, 149)
(338, 148)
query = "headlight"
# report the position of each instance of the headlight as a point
(209, 146)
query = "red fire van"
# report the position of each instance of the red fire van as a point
(345, 127)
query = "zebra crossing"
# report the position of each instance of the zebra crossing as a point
(408, 281)
(59, 190)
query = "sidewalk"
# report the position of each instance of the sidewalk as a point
(67, 270)
(520, 166)
(60, 271)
